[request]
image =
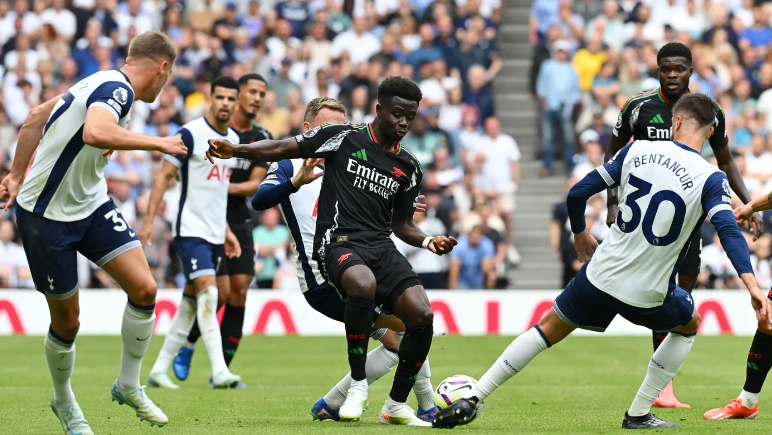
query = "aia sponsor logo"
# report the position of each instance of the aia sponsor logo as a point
(343, 258)
(398, 172)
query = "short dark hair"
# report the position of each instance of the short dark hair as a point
(226, 82)
(674, 49)
(251, 76)
(698, 107)
(399, 87)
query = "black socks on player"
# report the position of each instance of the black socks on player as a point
(657, 338)
(412, 354)
(359, 323)
(195, 333)
(759, 362)
(231, 329)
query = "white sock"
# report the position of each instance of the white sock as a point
(210, 329)
(663, 367)
(380, 361)
(515, 357)
(178, 332)
(749, 399)
(136, 331)
(61, 360)
(189, 345)
(424, 393)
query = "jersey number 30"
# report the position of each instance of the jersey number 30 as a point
(644, 188)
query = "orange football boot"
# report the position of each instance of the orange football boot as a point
(667, 399)
(735, 409)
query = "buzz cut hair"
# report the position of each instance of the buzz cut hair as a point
(674, 49)
(243, 80)
(153, 45)
(401, 87)
(317, 104)
(698, 108)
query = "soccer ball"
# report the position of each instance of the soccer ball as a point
(454, 388)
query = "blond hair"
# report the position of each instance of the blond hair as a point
(317, 104)
(153, 45)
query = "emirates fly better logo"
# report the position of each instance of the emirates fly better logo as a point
(371, 180)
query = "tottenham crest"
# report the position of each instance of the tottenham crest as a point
(725, 185)
(121, 95)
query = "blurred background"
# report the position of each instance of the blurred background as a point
(519, 101)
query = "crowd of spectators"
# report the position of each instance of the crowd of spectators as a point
(591, 56)
(305, 49)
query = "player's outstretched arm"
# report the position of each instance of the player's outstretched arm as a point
(406, 229)
(29, 137)
(160, 184)
(249, 187)
(322, 141)
(262, 151)
(744, 213)
(101, 130)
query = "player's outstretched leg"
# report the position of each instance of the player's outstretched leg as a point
(413, 308)
(759, 362)
(131, 271)
(687, 280)
(663, 367)
(550, 330)
(60, 355)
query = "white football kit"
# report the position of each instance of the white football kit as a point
(66, 182)
(666, 191)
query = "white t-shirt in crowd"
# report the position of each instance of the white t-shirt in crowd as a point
(359, 47)
(759, 165)
(499, 154)
(63, 21)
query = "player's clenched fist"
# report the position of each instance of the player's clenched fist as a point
(441, 245)
(173, 145)
(222, 149)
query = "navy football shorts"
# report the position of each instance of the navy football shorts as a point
(52, 247)
(584, 306)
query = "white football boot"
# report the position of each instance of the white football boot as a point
(225, 379)
(399, 413)
(161, 380)
(142, 405)
(356, 402)
(72, 419)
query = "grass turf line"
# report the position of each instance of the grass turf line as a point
(583, 385)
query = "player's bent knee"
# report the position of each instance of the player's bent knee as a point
(764, 327)
(66, 326)
(692, 327)
(144, 293)
(237, 298)
(358, 280)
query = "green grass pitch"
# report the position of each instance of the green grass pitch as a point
(583, 385)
